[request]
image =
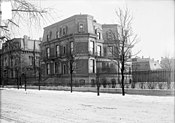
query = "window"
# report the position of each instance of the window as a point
(64, 49)
(11, 73)
(47, 37)
(57, 34)
(31, 59)
(64, 69)
(91, 47)
(81, 28)
(54, 71)
(57, 67)
(48, 68)
(99, 35)
(110, 51)
(95, 31)
(57, 50)
(92, 66)
(48, 52)
(50, 35)
(71, 47)
(60, 32)
(129, 70)
(5, 61)
(98, 50)
(109, 35)
(65, 30)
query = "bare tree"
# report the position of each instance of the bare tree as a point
(72, 60)
(24, 13)
(167, 64)
(122, 41)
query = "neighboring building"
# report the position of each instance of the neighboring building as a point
(149, 70)
(145, 64)
(17, 56)
(83, 37)
(146, 70)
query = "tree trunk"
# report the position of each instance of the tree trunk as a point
(122, 72)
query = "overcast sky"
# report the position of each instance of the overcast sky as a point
(153, 20)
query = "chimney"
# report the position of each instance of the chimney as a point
(25, 41)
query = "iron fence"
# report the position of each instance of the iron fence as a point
(153, 76)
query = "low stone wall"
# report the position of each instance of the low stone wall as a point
(151, 92)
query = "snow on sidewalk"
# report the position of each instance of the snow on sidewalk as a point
(33, 106)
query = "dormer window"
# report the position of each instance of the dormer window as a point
(81, 28)
(65, 30)
(99, 35)
(95, 31)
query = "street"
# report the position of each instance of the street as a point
(33, 106)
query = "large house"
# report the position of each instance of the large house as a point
(82, 41)
(19, 55)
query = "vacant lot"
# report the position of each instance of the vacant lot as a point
(44, 106)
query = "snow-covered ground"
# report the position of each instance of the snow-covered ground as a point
(44, 106)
